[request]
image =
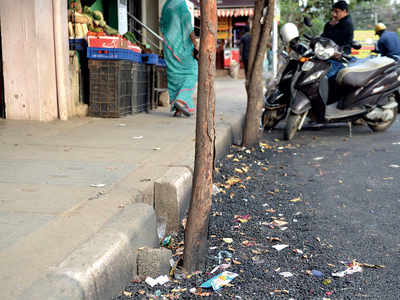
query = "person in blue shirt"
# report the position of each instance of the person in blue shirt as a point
(388, 43)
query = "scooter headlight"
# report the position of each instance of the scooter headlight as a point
(307, 66)
(313, 77)
(323, 53)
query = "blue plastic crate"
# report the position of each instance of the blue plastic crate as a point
(101, 53)
(161, 62)
(77, 44)
(150, 59)
(136, 57)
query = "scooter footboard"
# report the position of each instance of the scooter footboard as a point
(300, 104)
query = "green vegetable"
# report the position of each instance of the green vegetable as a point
(110, 31)
(130, 37)
(97, 15)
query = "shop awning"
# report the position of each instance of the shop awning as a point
(230, 12)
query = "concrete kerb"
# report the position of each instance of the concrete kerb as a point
(172, 191)
(101, 267)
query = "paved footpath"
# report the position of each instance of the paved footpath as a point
(62, 181)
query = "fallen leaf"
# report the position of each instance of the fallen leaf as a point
(270, 210)
(236, 159)
(256, 251)
(294, 200)
(274, 239)
(128, 294)
(279, 223)
(240, 171)
(236, 262)
(247, 243)
(228, 240)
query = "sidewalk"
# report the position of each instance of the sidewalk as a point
(51, 217)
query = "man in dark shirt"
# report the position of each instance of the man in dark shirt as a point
(389, 42)
(244, 48)
(340, 28)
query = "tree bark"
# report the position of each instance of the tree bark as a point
(196, 233)
(260, 35)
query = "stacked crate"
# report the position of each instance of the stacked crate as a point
(111, 85)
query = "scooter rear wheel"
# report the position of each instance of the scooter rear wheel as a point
(292, 124)
(382, 126)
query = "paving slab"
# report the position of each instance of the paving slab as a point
(49, 209)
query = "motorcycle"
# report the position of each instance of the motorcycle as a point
(365, 90)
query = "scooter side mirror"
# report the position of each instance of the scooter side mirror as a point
(307, 21)
(356, 45)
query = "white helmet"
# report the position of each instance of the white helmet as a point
(289, 32)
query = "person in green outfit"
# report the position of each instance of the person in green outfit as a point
(179, 46)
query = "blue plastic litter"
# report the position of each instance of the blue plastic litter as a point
(317, 273)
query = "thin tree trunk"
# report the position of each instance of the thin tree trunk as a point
(196, 232)
(254, 86)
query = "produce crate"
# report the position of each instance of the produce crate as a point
(142, 84)
(77, 44)
(111, 87)
(161, 62)
(150, 59)
(113, 54)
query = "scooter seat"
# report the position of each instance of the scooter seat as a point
(358, 75)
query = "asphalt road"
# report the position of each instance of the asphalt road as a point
(352, 186)
(339, 201)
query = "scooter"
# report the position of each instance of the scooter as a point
(363, 91)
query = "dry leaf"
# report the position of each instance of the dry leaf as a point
(256, 251)
(236, 160)
(128, 294)
(240, 171)
(247, 243)
(279, 223)
(229, 156)
(294, 200)
(274, 239)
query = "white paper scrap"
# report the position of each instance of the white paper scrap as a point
(286, 274)
(98, 185)
(280, 247)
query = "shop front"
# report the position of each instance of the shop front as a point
(234, 17)
(47, 46)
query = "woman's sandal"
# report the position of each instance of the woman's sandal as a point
(181, 108)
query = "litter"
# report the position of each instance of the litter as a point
(222, 255)
(298, 199)
(156, 148)
(228, 240)
(242, 219)
(280, 247)
(215, 190)
(219, 281)
(394, 166)
(222, 267)
(286, 274)
(98, 185)
(326, 281)
(353, 269)
(317, 273)
(159, 280)
(167, 241)
(138, 137)
(122, 125)
(319, 158)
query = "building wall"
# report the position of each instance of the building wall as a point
(28, 59)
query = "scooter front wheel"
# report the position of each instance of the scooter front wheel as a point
(292, 125)
(382, 126)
